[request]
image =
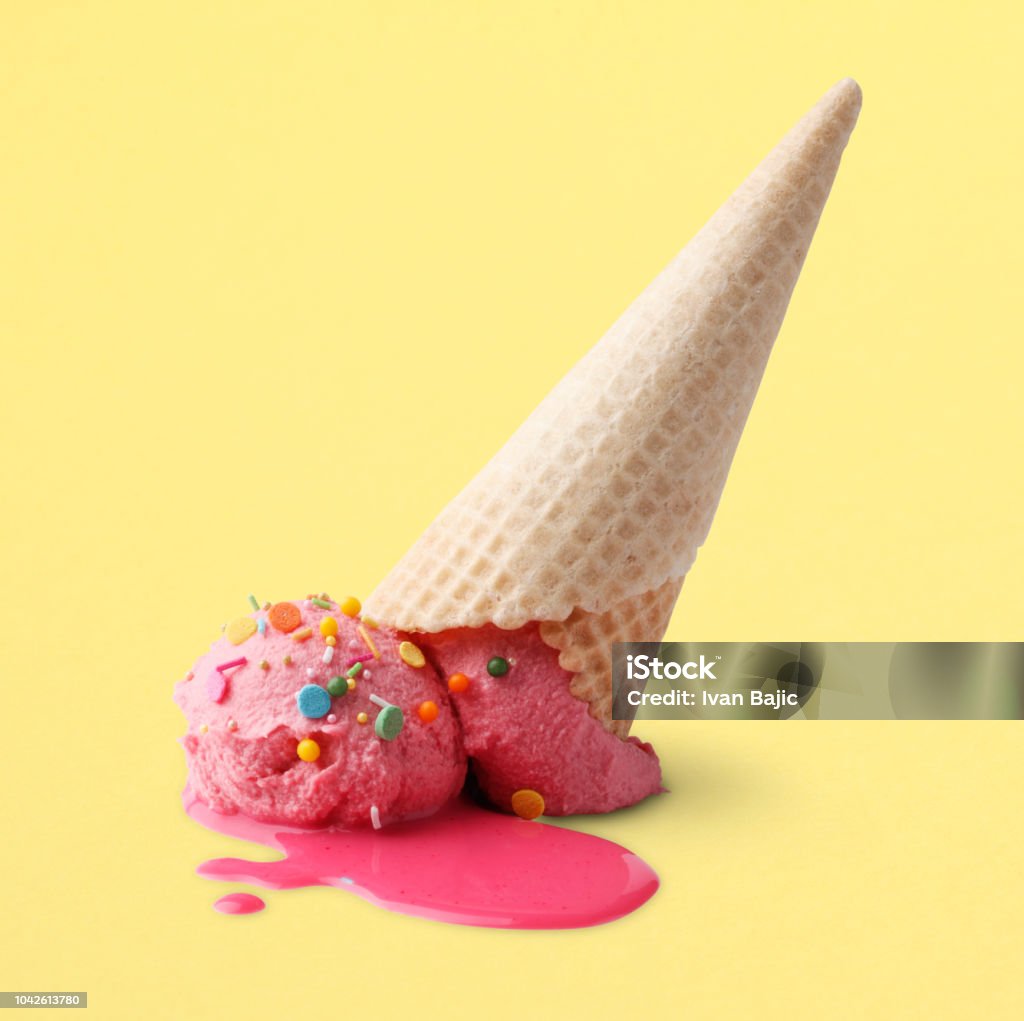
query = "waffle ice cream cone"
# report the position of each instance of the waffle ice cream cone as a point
(590, 516)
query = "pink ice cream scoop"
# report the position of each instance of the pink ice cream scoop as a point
(303, 715)
(524, 729)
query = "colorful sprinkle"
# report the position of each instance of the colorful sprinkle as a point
(287, 660)
(311, 671)
(352, 684)
(216, 687)
(428, 711)
(458, 683)
(354, 670)
(497, 667)
(375, 816)
(337, 686)
(362, 719)
(322, 603)
(261, 625)
(328, 654)
(350, 606)
(366, 674)
(331, 718)
(190, 675)
(266, 605)
(308, 750)
(328, 627)
(389, 723)
(241, 661)
(264, 664)
(203, 728)
(369, 641)
(240, 629)
(411, 654)
(301, 636)
(252, 602)
(331, 641)
(527, 804)
(285, 617)
(232, 725)
(370, 623)
(312, 701)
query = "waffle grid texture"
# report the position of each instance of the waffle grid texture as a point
(593, 511)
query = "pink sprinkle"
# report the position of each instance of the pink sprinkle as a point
(241, 661)
(363, 658)
(216, 687)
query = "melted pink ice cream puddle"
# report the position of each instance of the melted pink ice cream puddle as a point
(464, 864)
(239, 904)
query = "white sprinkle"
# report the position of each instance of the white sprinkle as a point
(310, 671)
(332, 718)
(328, 654)
(377, 700)
(375, 817)
(367, 675)
(232, 725)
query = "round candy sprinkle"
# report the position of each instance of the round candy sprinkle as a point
(313, 702)
(458, 683)
(497, 667)
(203, 728)
(308, 750)
(331, 641)
(411, 654)
(331, 718)
(240, 629)
(527, 804)
(232, 725)
(311, 671)
(351, 684)
(285, 617)
(367, 675)
(287, 660)
(389, 723)
(338, 686)
(428, 711)
(264, 664)
(328, 626)
(362, 718)
(350, 606)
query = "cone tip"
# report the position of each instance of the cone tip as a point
(847, 93)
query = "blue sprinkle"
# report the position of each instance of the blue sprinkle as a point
(313, 701)
(261, 625)
(345, 879)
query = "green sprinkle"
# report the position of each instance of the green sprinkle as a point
(321, 603)
(354, 670)
(389, 722)
(252, 602)
(337, 686)
(497, 667)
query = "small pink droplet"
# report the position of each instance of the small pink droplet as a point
(239, 904)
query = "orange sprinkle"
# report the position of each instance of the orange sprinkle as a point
(331, 641)
(301, 636)
(428, 711)
(362, 718)
(285, 617)
(369, 641)
(458, 683)
(350, 606)
(527, 804)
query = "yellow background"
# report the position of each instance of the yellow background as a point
(276, 278)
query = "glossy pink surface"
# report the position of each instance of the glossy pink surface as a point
(465, 864)
(239, 904)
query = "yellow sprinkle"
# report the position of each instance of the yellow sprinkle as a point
(264, 664)
(328, 627)
(369, 641)
(350, 606)
(527, 804)
(240, 629)
(287, 661)
(331, 641)
(370, 623)
(411, 654)
(351, 682)
(362, 718)
(301, 636)
(203, 728)
(308, 750)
